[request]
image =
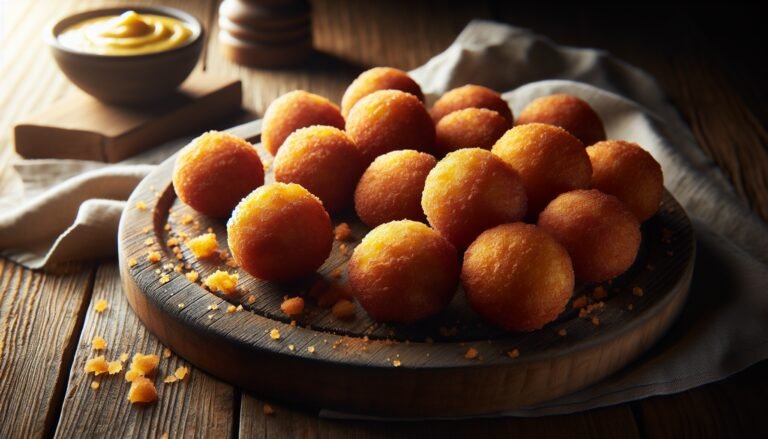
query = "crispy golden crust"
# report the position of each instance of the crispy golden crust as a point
(279, 232)
(294, 110)
(215, 171)
(388, 120)
(569, 112)
(549, 160)
(324, 160)
(390, 189)
(469, 191)
(601, 235)
(628, 172)
(403, 271)
(517, 276)
(469, 128)
(471, 96)
(375, 79)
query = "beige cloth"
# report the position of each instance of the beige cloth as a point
(71, 209)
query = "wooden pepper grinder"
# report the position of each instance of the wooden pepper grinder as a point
(266, 33)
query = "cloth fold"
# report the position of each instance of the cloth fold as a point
(70, 209)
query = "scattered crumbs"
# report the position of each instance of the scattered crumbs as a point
(580, 302)
(132, 262)
(343, 309)
(637, 291)
(274, 334)
(142, 390)
(140, 205)
(114, 367)
(268, 410)
(292, 306)
(342, 232)
(562, 332)
(167, 227)
(101, 305)
(291, 347)
(336, 273)
(144, 364)
(172, 242)
(170, 379)
(210, 316)
(471, 353)
(123, 357)
(164, 279)
(158, 271)
(599, 293)
(221, 281)
(630, 307)
(213, 307)
(311, 349)
(343, 249)
(154, 256)
(186, 219)
(164, 436)
(94, 385)
(396, 363)
(595, 321)
(514, 353)
(231, 309)
(131, 375)
(181, 305)
(149, 241)
(96, 365)
(192, 276)
(181, 373)
(98, 343)
(239, 308)
(588, 310)
(251, 299)
(203, 246)
(293, 324)
(166, 353)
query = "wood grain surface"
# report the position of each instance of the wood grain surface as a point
(705, 57)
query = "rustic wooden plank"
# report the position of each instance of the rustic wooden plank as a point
(731, 408)
(198, 406)
(40, 318)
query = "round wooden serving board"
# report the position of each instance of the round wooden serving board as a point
(360, 366)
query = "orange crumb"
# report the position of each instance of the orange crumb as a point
(192, 276)
(132, 262)
(123, 356)
(186, 219)
(203, 246)
(213, 306)
(343, 309)
(343, 249)
(342, 232)
(95, 385)
(293, 306)
(170, 379)
(166, 353)
(101, 305)
(142, 390)
(251, 299)
(336, 273)
(164, 279)
(167, 227)
(311, 349)
(97, 365)
(173, 242)
(221, 281)
(471, 354)
(562, 332)
(599, 293)
(149, 241)
(637, 291)
(154, 256)
(397, 363)
(514, 353)
(268, 410)
(181, 373)
(231, 309)
(144, 364)
(114, 367)
(164, 436)
(98, 343)
(595, 321)
(131, 375)
(580, 302)
(274, 334)
(140, 205)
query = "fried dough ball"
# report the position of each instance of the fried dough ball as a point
(324, 160)
(215, 171)
(390, 189)
(280, 232)
(517, 276)
(569, 112)
(628, 172)
(294, 110)
(469, 191)
(549, 160)
(388, 120)
(469, 128)
(601, 234)
(378, 78)
(403, 271)
(471, 96)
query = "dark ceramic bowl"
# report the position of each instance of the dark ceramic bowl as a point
(128, 79)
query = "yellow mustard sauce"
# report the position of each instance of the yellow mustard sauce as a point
(126, 34)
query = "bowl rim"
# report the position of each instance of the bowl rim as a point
(55, 28)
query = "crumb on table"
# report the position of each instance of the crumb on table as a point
(98, 343)
(221, 281)
(203, 246)
(292, 306)
(101, 305)
(142, 390)
(342, 232)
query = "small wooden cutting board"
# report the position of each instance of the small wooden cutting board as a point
(81, 127)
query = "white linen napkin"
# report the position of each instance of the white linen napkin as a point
(723, 327)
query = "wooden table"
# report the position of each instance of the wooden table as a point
(706, 60)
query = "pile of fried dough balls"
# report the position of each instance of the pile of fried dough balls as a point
(517, 210)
